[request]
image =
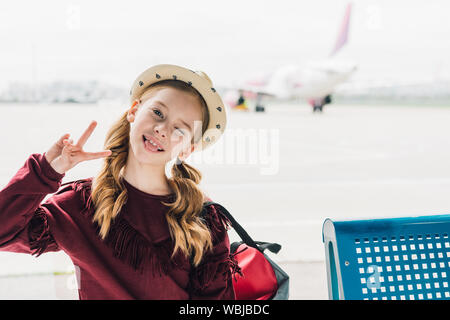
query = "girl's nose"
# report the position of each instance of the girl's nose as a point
(160, 131)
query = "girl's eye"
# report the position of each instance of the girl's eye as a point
(159, 114)
(156, 111)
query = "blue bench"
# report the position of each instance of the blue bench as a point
(388, 259)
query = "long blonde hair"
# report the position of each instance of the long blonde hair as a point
(108, 194)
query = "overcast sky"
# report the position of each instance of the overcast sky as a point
(115, 41)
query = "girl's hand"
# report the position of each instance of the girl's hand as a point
(64, 155)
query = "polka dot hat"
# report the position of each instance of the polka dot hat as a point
(200, 81)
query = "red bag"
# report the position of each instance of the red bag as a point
(252, 261)
(262, 279)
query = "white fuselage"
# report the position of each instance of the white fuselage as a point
(315, 80)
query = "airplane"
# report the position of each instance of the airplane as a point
(315, 82)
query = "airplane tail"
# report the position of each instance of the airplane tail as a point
(343, 32)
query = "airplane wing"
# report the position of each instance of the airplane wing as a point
(255, 85)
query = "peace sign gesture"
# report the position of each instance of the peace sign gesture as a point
(64, 155)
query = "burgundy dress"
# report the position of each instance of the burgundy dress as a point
(133, 262)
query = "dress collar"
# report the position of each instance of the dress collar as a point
(145, 195)
(146, 213)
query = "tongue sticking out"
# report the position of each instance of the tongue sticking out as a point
(151, 146)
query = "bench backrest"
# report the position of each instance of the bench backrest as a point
(389, 259)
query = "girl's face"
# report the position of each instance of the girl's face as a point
(168, 117)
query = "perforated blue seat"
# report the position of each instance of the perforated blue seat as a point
(388, 259)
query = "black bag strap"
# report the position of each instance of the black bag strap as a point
(236, 226)
(273, 247)
(261, 246)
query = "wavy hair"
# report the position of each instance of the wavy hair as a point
(187, 229)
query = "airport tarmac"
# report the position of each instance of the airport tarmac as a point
(281, 173)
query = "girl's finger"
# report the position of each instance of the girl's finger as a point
(68, 142)
(97, 155)
(60, 141)
(87, 133)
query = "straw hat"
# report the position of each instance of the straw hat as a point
(197, 79)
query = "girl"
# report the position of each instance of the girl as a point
(131, 232)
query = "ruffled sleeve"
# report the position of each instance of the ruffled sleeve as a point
(25, 221)
(212, 278)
